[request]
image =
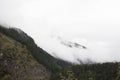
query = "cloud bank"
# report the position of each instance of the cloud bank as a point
(92, 23)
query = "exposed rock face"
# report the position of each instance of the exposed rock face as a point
(17, 62)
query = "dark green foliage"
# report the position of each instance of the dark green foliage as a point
(69, 76)
(17, 63)
(7, 77)
(118, 72)
(62, 70)
(105, 71)
(3, 70)
(39, 54)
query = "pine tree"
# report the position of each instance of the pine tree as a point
(90, 76)
(70, 76)
(7, 77)
(118, 73)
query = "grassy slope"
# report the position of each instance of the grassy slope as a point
(16, 61)
(38, 53)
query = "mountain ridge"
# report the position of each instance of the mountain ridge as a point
(38, 53)
(19, 53)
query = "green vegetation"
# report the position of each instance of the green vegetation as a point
(69, 76)
(22, 59)
(17, 63)
(105, 71)
(118, 73)
(39, 54)
(7, 77)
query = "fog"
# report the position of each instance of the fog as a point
(92, 23)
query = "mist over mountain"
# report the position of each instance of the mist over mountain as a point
(21, 58)
(60, 39)
(92, 24)
(71, 44)
(16, 60)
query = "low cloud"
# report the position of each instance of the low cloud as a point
(91, 23)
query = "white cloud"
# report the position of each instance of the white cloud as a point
(93, 23)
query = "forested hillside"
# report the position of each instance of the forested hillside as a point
(17, 63)
(104, 71)
(22, 59)
(39, 54)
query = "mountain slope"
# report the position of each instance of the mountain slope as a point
(17, 63)
(22, 59)
(39, 54)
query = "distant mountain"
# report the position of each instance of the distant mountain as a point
(22, 59)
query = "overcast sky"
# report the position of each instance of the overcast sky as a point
(92, 23)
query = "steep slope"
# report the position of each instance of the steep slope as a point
(38, 53)
(17, 63)
(22, 59)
